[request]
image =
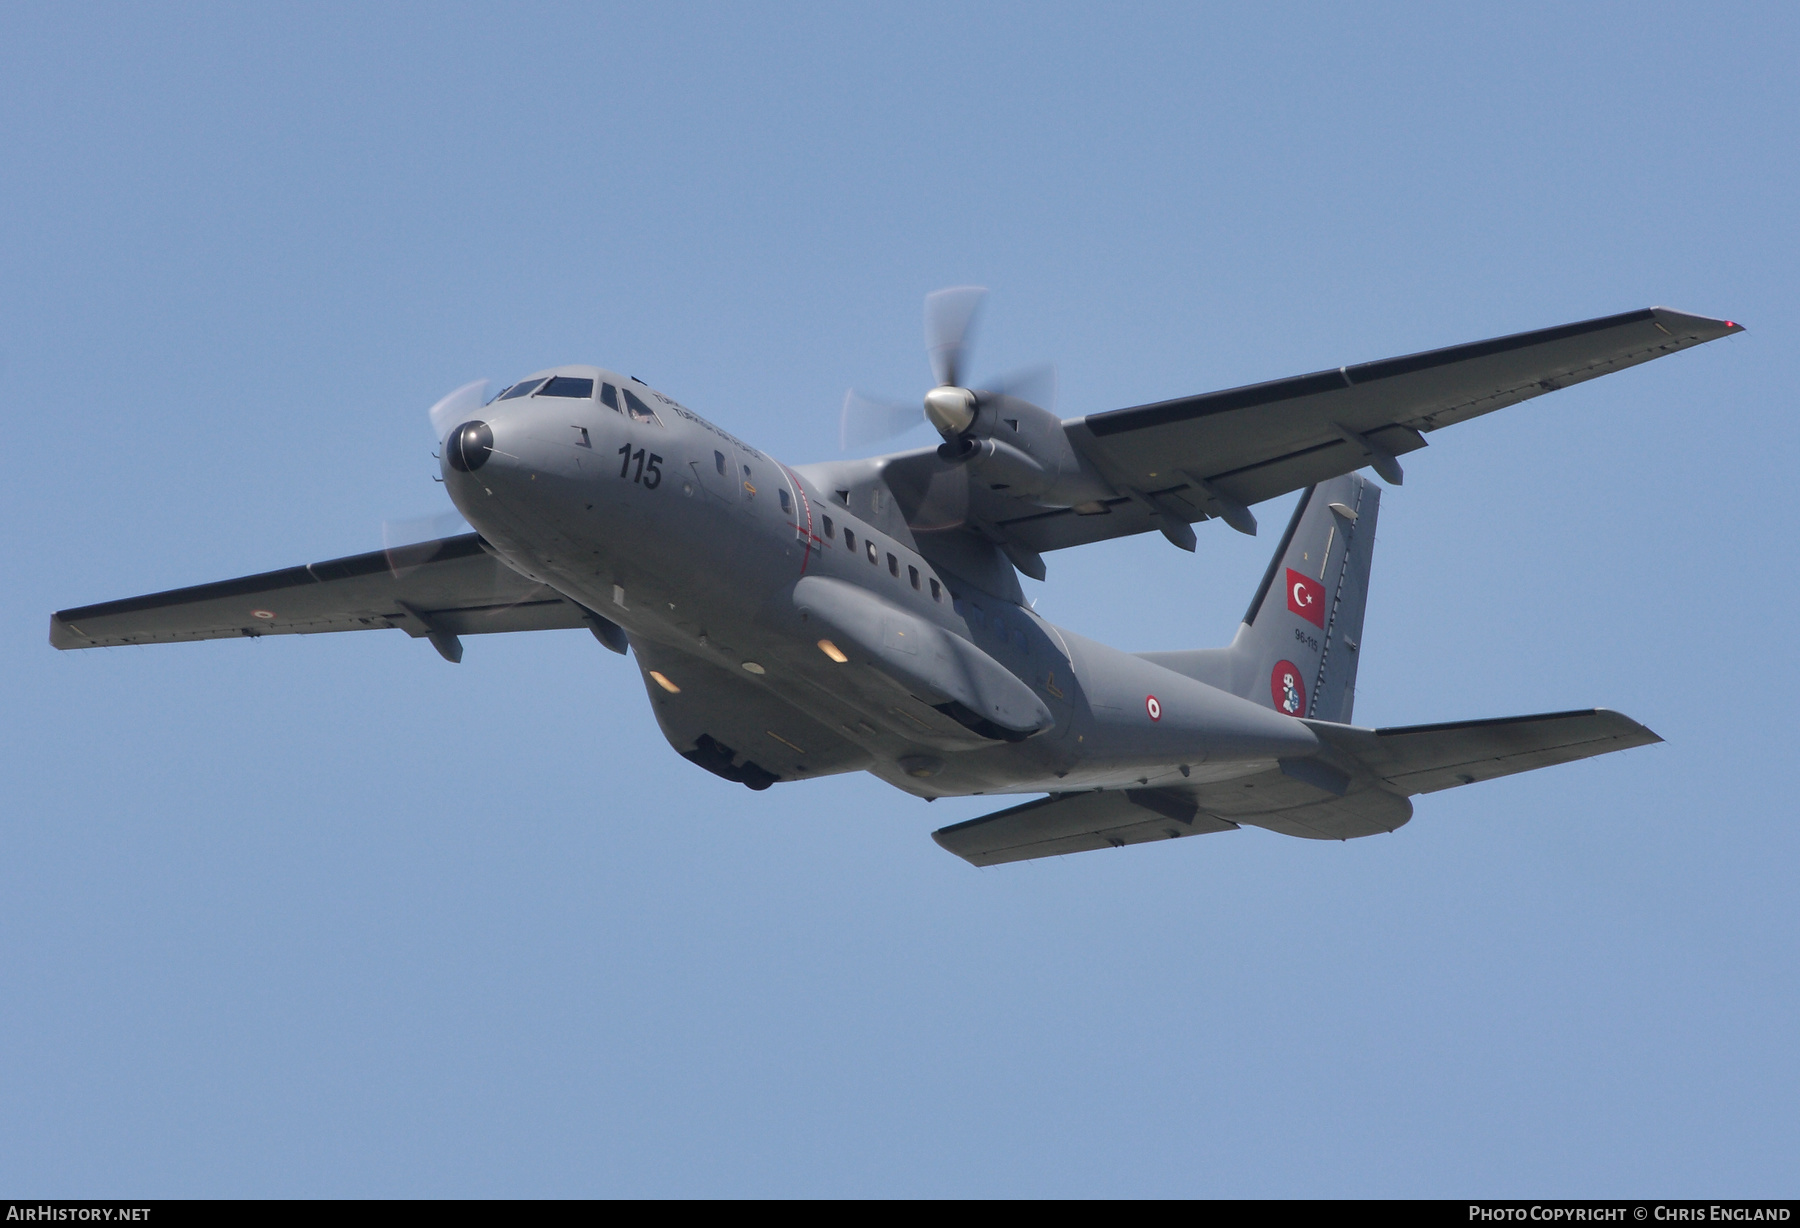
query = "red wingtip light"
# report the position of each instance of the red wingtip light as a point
(1730, 324)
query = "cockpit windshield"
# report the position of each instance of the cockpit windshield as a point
(568, 386)
(555, 386)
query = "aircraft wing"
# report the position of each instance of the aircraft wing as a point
(1359, 790)
(1254, 443)
(446, 587)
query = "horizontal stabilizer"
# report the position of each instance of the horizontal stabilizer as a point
(1416, 759)
(440, 589)
(1076, 822)
(1357, 788)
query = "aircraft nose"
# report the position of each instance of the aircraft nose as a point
(469, 446)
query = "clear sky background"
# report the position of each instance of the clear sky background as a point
(326, 915)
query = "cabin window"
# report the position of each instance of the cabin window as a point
(609, 396)
(849, 540)
(869, 548)
(914, 573)
(937, 592)
(719, 462)
(787, 504)
(569, 386)
(893, 566)
(827, 526)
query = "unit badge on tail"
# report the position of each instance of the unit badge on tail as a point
(1285, 686)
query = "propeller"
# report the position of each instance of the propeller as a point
(410, 541)
(950, 407)
(1036, 384)
(866, 420)
(945, 504)
(457, 408)
(406, 540)
(950, 330)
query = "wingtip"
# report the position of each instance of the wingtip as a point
(1636, 729)
(63, 635)
(1718, 327)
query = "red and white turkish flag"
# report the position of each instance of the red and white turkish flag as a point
(1306, 597)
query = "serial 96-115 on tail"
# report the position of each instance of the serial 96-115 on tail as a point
(865, 615)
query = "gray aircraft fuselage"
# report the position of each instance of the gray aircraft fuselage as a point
(709, 551)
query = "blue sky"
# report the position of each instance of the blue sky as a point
(325, 915)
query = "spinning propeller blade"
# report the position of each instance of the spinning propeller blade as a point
(946, 502)
(865, 420)
(1034, 384)
(457, 408)
(407, 541)
(950, 330)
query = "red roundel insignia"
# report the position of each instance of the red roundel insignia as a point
(1287, 690)
(1153, 706)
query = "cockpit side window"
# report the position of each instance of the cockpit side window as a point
(520, 390)
(638, 411)
(569, 386)
(609, 396)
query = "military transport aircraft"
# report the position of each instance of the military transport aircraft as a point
(865, 615)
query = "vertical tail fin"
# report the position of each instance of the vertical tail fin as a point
(1297, 649)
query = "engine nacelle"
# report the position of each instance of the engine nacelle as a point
(1019, 448)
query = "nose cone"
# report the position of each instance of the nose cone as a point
(499, 464)
(469, 446)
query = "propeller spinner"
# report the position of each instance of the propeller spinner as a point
(950, 409)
